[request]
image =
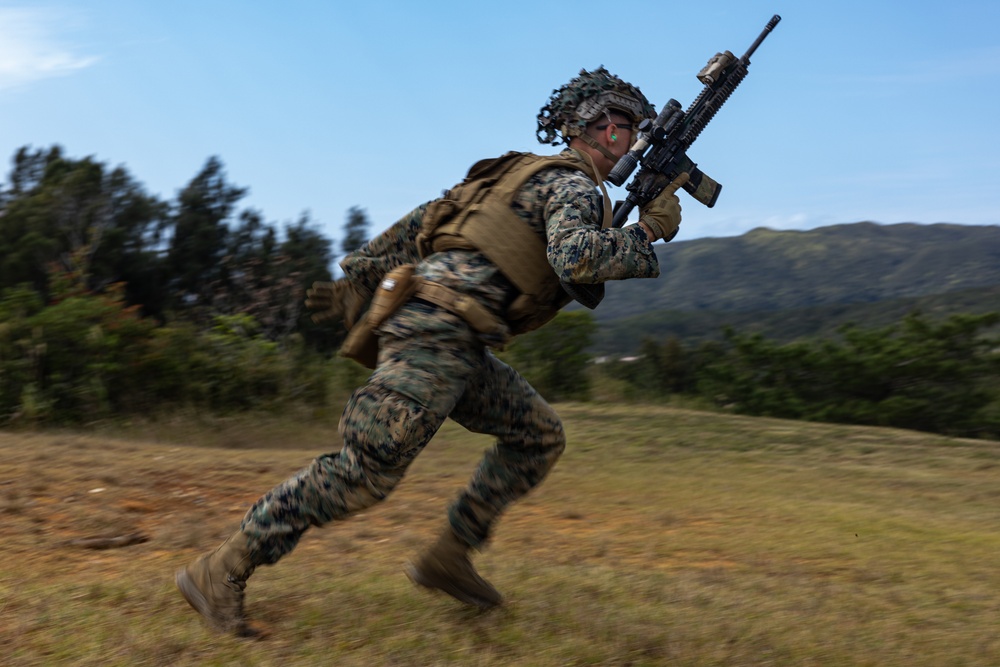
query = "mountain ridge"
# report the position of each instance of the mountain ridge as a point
(772, 270)
(787, 285)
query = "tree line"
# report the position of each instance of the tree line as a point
(940, 376)
(181, 259)
(114, 302)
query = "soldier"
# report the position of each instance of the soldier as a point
(447, 282)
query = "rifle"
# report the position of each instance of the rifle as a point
(662, 143)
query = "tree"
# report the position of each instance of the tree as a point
(73, 359)
(917, 374)
(199, 238)
(309, 252)
(554, 358)
(355, 230)
(92, 220)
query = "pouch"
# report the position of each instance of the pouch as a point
(395, 289)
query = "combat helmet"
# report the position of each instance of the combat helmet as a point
(583, 100)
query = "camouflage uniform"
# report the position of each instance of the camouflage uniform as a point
(432, 366)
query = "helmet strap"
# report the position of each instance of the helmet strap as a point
(590, 141)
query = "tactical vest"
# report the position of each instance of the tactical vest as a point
(476, 215)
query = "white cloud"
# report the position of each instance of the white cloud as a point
(32, 49)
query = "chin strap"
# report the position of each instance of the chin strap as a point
(590, 141)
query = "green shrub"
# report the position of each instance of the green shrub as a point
(89, 356)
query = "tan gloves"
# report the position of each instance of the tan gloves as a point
(663, 214)
(339, 299)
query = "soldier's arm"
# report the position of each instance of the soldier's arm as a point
(394, 247)
(578, 249)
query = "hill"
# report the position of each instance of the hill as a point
(622, 336)
(767, 270)
(790, 284)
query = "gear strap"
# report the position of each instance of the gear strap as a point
(590, 141)
(474, 313)
(608, 215)
(477, 215)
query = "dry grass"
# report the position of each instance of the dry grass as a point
(664, 536)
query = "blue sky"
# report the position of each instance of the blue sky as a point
(883, 111)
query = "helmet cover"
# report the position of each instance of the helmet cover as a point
(583, 100)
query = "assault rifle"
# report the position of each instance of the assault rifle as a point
(661, 148)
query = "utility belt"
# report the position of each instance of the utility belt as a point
(397, 288)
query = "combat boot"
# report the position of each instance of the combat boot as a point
(446, 567)
(214, 585)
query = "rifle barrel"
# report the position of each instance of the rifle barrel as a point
(760, 38)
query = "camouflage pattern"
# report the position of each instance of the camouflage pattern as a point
(393, 247)
(563, 207)
(432, 366)
(580, 101)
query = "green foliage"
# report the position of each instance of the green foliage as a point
(19, 350)
(939, 377)
(305, 256)
(86, 257)
(554, 358)
(198, 242)
(623, 336)
(90, 356)
(232, 366)
(660, 369)
(85, 253)
(918, 374)
(308, 252)
(190, 259)
(72, 360)
(90, 219)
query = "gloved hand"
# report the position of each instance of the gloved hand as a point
(339, 299)
(663, 214)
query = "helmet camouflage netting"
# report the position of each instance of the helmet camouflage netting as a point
(585, 98)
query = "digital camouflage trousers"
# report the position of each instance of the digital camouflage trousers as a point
(431, 367)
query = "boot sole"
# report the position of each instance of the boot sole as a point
(460, 594)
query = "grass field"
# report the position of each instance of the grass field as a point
(663, 537)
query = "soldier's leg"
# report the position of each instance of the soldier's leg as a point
(383, 431)
(530, 438)
(384, 426)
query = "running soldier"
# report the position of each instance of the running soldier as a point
(447, 282)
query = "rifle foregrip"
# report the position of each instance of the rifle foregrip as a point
(703, 187)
